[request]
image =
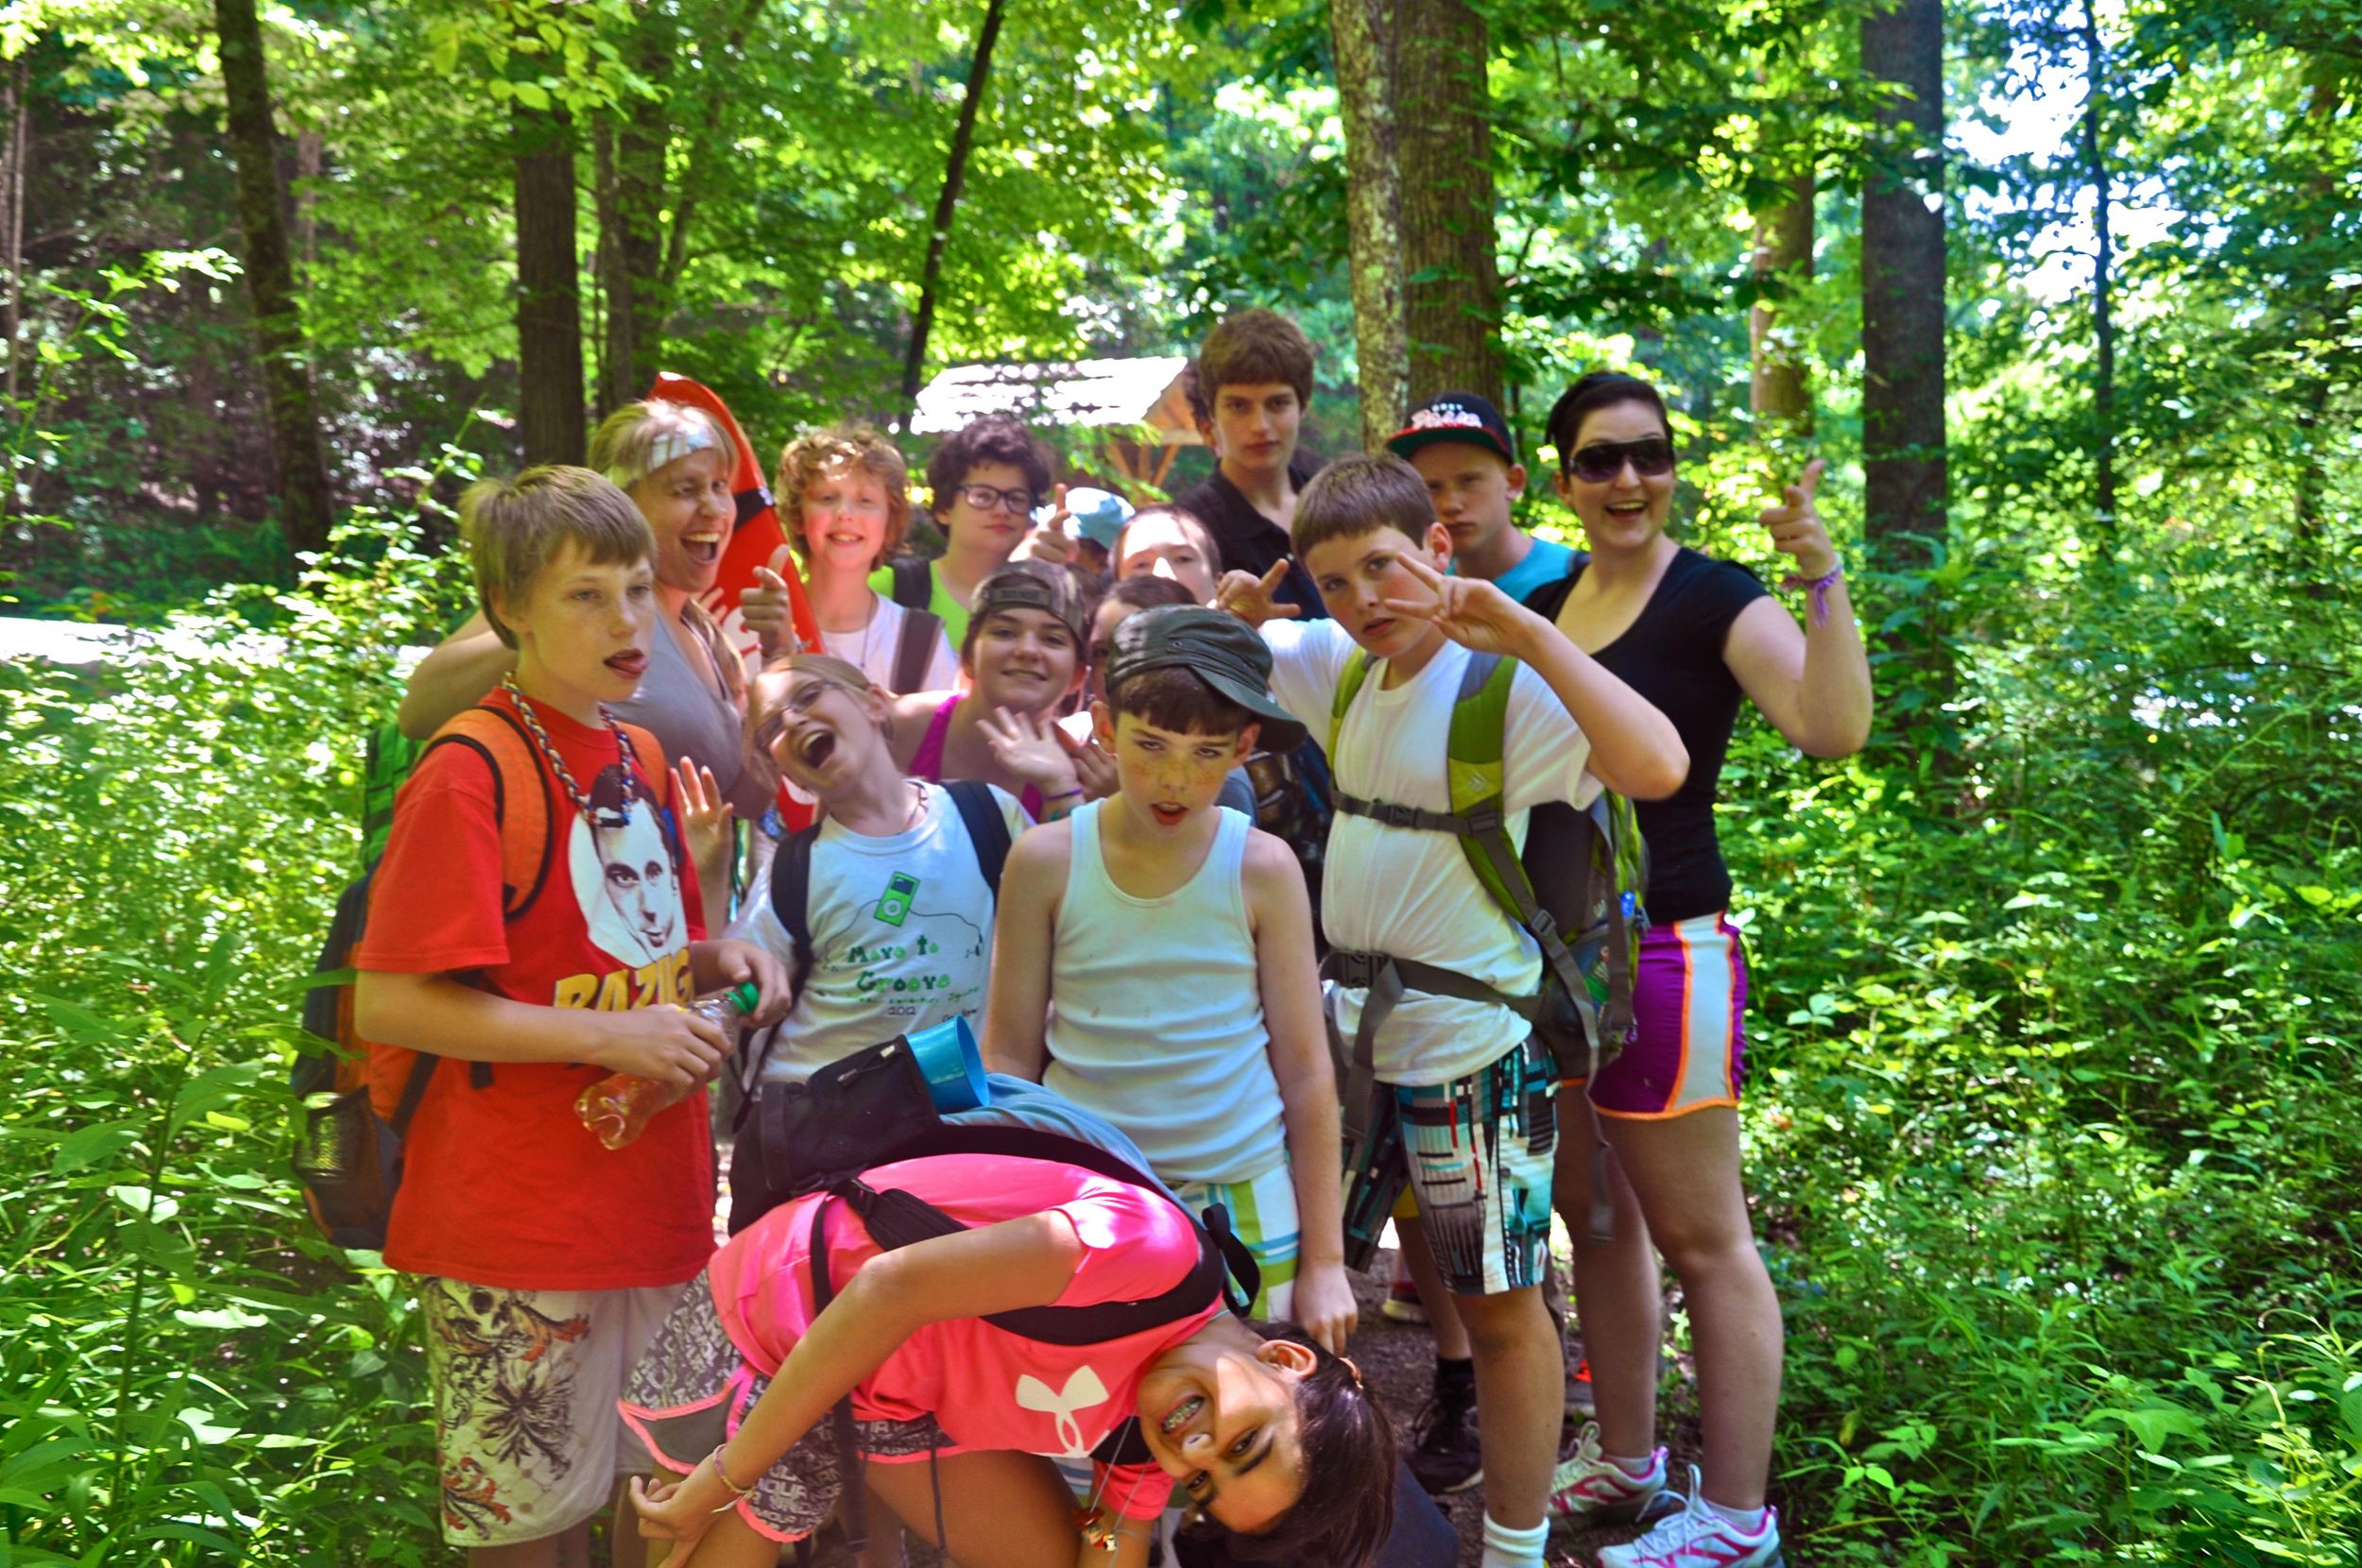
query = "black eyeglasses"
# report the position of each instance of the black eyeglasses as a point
(985, 499)
(1602, 461)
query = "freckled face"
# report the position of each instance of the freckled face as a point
(1168, 776)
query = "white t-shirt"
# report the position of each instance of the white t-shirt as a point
(901, 937)
(1406, 891)
(871, 650)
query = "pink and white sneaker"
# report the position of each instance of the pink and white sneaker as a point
(1596, 1489)
(1698, 1536)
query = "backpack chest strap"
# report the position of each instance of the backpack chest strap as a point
(1486, 817)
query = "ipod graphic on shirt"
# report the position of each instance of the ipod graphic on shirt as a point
(893, 905)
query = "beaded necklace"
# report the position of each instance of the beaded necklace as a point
(621, 817)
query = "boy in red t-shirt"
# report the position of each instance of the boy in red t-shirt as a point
(545, 1259)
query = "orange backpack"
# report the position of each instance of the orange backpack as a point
(348, 1150)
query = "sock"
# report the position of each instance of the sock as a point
(1508, 1548)
(1636, 1469)
(1460, 1372)
(1746, 1521)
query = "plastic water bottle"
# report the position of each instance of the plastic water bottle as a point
(619, 1107)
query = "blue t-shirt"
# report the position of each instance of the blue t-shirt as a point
(1546, 562)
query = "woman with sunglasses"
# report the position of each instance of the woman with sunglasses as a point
(985, 481)
(1694, 636)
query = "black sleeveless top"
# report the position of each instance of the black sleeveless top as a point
(1673, 655)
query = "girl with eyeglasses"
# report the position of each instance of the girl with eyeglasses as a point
(1694, 636)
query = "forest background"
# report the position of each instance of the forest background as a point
(2053, 1108)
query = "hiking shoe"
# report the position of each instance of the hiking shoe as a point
(1444, 1455)
(1402, 1303)
(1595, 1489)
(1698, 1536)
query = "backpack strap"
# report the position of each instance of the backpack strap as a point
(528, 844)
(790, 899)
(413, 1091)
(988, 829)
(913, 582)
(852, 1502)
(915, 649)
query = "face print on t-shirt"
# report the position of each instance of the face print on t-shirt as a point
(624, 875)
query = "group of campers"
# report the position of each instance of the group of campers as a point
(1173, 807)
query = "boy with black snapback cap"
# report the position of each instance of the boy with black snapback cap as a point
(1462, 450)
(1153, 962)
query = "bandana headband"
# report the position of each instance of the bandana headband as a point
(665, 450)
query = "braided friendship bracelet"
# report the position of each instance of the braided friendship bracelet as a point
(1819, 588)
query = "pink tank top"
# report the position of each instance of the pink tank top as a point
(927, 762)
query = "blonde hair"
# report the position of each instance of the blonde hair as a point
(853, 445)
(638, 438)
(516, 527)
(767, 694)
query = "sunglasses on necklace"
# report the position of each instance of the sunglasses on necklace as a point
(1651, 457)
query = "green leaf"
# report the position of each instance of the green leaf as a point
(89, 1144)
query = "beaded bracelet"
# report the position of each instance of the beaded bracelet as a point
(742, 1494)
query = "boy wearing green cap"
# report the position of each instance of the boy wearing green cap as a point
(1153, 961)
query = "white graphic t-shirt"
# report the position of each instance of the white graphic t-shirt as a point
(901, 938)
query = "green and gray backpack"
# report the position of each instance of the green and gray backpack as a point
(1576, 890)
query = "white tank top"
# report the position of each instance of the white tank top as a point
(1156, 1013)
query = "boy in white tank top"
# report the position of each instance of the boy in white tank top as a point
(1153, 962)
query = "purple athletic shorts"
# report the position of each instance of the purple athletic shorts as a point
(1690, 1004)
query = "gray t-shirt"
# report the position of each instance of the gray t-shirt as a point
(690, 716)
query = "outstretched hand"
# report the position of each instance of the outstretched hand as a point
(1034, 751)
(1472, 612)
(1255, 599)
(1796, 528)
(705, 816)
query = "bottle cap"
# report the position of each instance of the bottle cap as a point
(745, 995)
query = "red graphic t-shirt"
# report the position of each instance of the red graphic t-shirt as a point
(986, 1387)
(501, 1184)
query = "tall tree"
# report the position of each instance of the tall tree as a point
(1782, 261)
(551, 412)
(305, 506)
(946, 208)
(1902, 249)
(630, 145)
(1362, 33)
(1451, 275)
(2103, 281)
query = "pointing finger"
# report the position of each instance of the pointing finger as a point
(1276, 575)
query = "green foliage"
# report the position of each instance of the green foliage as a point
(190, 1375)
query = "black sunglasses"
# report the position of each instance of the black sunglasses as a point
(1651, 457)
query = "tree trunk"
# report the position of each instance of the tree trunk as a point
(306, 509)
(1451, 283)
(1783, 261)
(946, 208)
(631, 229)
(16, 103)
(1901, 247)
(550, 414)
(2103, 322)
(1363, 36)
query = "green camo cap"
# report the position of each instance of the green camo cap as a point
(1218, 648)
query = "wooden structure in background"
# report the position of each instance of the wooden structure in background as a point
(1139, 403)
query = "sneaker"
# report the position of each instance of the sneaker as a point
(1444, 1455)
(1595, 1489)
(1698, 1536)
(1402, 1305)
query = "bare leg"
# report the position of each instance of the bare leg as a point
(1618, 1297)
(1685, 1171)
(730, 1542)
(1001, 1510)
(1521, 1375)
(1451, 1335)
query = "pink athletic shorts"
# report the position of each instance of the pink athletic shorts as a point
(1690, 1003)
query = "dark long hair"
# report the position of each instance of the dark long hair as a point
(1597, 390)
(1347, 1507)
